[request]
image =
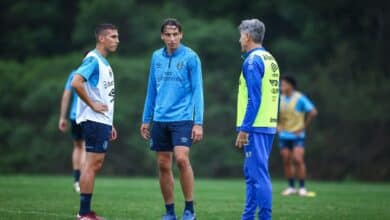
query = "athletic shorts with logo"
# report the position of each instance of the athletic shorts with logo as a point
(167, 135)
(96, 136)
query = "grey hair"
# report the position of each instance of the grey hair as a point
(255, 28)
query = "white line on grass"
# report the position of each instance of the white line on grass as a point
(43, 213)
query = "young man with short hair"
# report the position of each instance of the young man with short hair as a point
(94, 84)
(174, 105)
(292, 124)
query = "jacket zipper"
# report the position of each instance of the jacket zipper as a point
(169, 64)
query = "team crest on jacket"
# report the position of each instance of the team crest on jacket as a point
(180, 65)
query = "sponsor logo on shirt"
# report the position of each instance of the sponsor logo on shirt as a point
(169, 76)
(274, 67)
(107, 84)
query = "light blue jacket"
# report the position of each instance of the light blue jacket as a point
(175, 90)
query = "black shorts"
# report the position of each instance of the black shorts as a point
(291, 143)
(76, 131)
(167, 135)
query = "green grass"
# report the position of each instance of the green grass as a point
(51, 197)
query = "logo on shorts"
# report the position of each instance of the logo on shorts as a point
(184, 139)
(105, 145)
(248, 154)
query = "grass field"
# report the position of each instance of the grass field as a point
(51, 197)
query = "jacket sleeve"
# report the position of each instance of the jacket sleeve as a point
(151, 92)
(195, 68)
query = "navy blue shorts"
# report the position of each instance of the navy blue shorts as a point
(167, 135)
(76, 131)
(96, 136)
(291, 143)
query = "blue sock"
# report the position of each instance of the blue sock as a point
(189, 206)
(170, 208)
(302, 183)
(291, 182)
(85, 203)
(76, 175)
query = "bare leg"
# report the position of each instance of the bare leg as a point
(186, 173)
(287, 162)
(78, 155)
(93, 163)
(299, 162)
(164, 161)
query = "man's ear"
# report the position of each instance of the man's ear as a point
(248, 37)
(101, 37)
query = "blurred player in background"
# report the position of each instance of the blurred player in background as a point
(292, 124)
(257, 111)
(174, 104)
(94, 83)
(78, 141)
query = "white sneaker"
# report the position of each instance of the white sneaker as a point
(302, 192)
(76, 187)
(289, 191)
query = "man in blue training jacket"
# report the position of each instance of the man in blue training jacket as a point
(174, 105)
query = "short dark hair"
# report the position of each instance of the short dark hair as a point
(101, 28)
(170, 22)
(290, 80)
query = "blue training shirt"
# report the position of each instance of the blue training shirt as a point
(303, 105)
(89, 69)
(175, 90)
(68, 87)
(253, 72)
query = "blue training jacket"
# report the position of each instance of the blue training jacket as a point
(175, 90)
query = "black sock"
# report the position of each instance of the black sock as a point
(302, 183)
(76, 175)
(291, 182)
(189, 205)
(170, 208)
(85, 203)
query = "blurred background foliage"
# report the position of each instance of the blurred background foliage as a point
(336, 49)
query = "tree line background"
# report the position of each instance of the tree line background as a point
(336, 49)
